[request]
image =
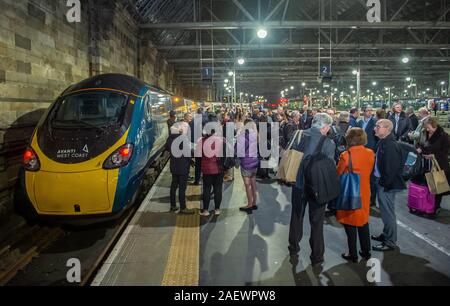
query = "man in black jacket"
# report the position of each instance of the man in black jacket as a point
(388, 171)
(400, 122)
(179, 167)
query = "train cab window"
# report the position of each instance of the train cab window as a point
(94, 108)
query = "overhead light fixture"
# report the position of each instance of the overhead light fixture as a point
(231, 73)
(286, 90)
(292, 87)
(262, 33)
(405, 60)
(408, 79)
(374, 83)
(443, 83)
(227, 81)
(351, 86)
(355, 72)
(303, 84)
(241, 61)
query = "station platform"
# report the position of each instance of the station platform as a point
(236, 249)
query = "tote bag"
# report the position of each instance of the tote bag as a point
(436, 179)
(350, 197)
(290, 161)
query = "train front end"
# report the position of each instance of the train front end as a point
(80, 151)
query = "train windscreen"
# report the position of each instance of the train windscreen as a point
(90, 110)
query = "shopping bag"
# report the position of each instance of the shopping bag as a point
(436, 179)
(350, 197)
(290, 161)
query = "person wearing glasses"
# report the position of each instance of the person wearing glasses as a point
(388, 174)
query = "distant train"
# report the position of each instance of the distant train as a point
(90, 151)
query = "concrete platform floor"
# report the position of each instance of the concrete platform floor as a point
(239, 249)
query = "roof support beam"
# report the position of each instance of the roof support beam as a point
(399, 10)
(340, 46)
(309, 59)
(233, 25)
(242, 8)
(285, 11)
(228, 31)
(274, 10)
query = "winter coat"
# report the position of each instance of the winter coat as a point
(389, 155)
(178, 165)
(211, 149)
(363, 160)
(438, 145)
(247, 150)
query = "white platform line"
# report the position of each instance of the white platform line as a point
(420, 236)
(119, 246)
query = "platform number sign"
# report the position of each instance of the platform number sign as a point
(325, 70)
(207, 73)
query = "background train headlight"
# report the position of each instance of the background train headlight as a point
(119, 158)
(31, 161)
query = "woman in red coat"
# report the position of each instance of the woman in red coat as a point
(356, 222)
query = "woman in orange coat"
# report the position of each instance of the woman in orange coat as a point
(356, 222)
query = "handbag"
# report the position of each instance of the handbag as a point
(350, 197)
(436, 179)
(290, 161)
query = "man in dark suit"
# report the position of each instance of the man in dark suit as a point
(413, 120)
(368, 125)
(400, 122)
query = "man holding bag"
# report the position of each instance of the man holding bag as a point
(310, 141)
(388, 173)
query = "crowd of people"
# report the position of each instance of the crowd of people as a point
(369, 140)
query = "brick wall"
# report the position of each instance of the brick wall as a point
(41, 54)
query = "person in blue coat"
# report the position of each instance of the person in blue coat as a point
(368, 124)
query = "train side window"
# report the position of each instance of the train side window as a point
(148, 108)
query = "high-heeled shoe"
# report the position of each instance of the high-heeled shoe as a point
(350, 258)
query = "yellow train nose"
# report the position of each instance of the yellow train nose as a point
(82, 193)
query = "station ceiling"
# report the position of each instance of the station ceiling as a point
(303, 35)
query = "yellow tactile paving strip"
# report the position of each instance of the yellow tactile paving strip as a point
(182, 267)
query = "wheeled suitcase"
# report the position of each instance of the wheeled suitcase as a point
(420, 199)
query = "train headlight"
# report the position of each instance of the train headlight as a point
(31, 160)
(119, 158)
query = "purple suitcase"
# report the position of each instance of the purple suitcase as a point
(420, 199)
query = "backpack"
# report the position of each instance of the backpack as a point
(340, 141)
(322, 182)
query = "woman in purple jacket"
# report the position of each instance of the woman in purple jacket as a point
(247, 150)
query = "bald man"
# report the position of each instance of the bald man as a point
(388, 174)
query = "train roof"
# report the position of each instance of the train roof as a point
(119, 82)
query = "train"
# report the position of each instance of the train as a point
(90, 151)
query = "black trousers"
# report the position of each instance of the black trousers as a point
(178, 182)
(316, 219)
(211, 181)
(364, 239)
(198, 169)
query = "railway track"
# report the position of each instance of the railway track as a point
(38, 255)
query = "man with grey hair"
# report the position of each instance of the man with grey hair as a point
(412, 118)
(388, 173)
(300, 200)
(400, 122)
(418, 136)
